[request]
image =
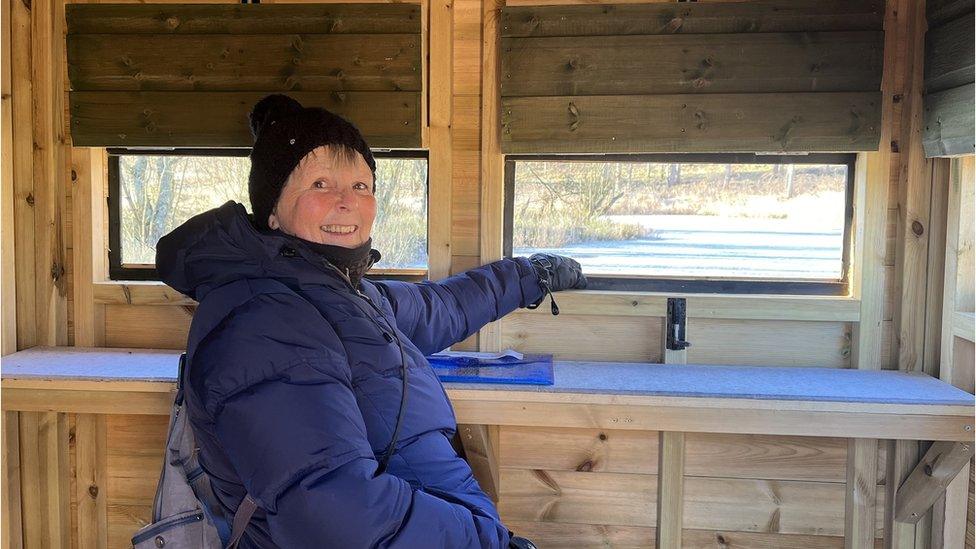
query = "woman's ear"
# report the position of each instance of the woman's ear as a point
(273, 222)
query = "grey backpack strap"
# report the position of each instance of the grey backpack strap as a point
(241, 518)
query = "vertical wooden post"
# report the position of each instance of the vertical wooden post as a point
(23, 172)
(481, 448)
(671, 467)
(90, 480)
(492, 160)
(8, 281)
(87, 245)
(670, 490)
(862, 479)
(47, 47)
(44, 479)
(11, 534)
(440, 110)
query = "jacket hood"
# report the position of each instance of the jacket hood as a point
(222, 245)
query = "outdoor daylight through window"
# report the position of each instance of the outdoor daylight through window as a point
(156, 192)
(713, 218)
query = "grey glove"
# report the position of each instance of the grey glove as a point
(556, 272)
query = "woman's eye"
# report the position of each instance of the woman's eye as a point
(319, 184)
(361, 186)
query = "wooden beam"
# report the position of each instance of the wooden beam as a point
(11, 530)
(246, 62)
(91, 480)
(672, 64)
(963, 325)
(861, 502)
(958, 283)
(23, 168)
(481, 446)
(950, 514)
(764, 16)
(320, 18)
(670, 490)
(440, 163)
(928, 480)
(767, 122)
(87, 265)
(949, 56)
(949, 122)
(49, 171)
(214, 119)
(492, 160)
(8, 280)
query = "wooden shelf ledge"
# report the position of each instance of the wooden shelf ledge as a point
(654, 397)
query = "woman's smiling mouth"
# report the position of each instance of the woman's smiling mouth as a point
(340, 229)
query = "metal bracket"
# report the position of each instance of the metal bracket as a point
(676, 323)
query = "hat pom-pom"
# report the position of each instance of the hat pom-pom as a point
(270, 109)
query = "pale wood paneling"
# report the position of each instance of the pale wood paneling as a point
(640, 338)
(706, 454)
(146, 326)
(808, 508)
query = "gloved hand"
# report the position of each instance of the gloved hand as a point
(517, 542)
(556, 272)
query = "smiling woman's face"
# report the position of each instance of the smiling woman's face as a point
(328, 198)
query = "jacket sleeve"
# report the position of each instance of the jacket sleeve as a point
(435, 315)
(285, 415)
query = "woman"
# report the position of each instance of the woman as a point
(307, 386)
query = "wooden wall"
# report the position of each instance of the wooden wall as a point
(563, 487)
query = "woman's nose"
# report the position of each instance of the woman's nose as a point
(346, 200)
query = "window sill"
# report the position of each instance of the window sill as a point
(590, 302)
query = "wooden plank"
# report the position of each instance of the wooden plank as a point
(91, 476)
(217, 119)
(8, 279)
(963, 326)
(949, 514)
(11, 532)
(85, 317)
(770, 343)
(691, 64)
(914, 193)
(86, 402)
(44, 479)
(871, 191)
(138, 293)
(707, 420)
(490, 236)
(941, 464)
(139, 326)
(23, 167)
(242, 62)
(937, 245)
(530, 333)
(965, 255)
(903, 456)
(670, 490)
(950, 54)
(958, 292)
(481, 446)
(941, 11)
(861, 507)
(440, 161)
(765, 16)
(949, 122)
(49, 173)
(692, 123)
(601, 536)
(711, 503)
(239, 19)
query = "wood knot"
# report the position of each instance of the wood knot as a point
(93, 491)
(172, 21)
(30, 199)
(917, 228)
(603, 436)
(674, 25)
(585, 467)
(721, 541)
(74, 175)
(57, 271)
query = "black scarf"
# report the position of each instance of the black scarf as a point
(353, 262)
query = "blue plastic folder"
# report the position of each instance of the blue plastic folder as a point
(508, 367)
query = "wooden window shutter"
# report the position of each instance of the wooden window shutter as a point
(949, 74)
(760, 76)
(187, 75)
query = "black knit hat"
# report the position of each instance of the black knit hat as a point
(284, 132)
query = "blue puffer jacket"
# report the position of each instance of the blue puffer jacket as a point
(294, 387)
